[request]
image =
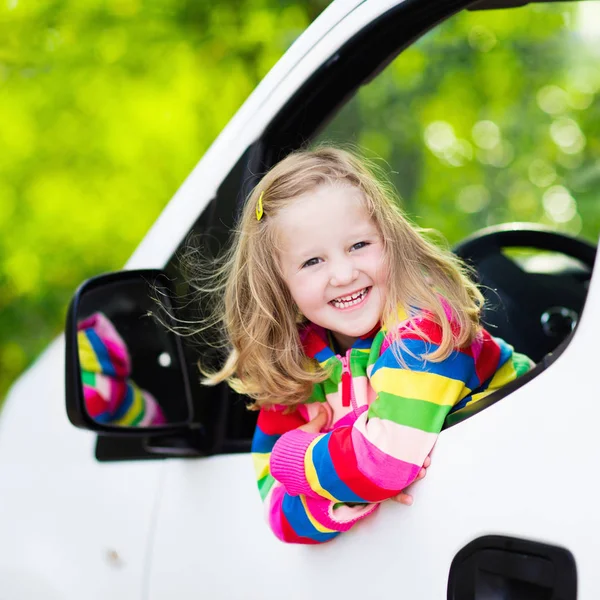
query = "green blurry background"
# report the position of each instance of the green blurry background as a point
(105, 107)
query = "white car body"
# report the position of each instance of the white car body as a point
(73, 528)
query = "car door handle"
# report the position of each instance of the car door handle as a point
(506, 568)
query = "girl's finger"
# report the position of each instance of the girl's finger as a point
(316, 424)
(403, 498)
(427, 462)
(321, 419)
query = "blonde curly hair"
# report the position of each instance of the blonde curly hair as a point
(257, 313)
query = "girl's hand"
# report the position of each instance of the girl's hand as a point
(407, 499)
(317, 423)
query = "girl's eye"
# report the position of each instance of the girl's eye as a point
(360, 245)
(311, 262)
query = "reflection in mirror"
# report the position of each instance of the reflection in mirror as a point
(130, 365)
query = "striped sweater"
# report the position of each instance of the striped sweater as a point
(384, 420)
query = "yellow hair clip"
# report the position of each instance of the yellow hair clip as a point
(259, 207)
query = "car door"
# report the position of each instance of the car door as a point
(497, 472)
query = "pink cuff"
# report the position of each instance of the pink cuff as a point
(287, 461)
(344, 517)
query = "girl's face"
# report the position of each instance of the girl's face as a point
(332, 260)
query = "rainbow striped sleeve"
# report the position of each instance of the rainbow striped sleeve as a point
(384, 450)
(296, 518)
(513, 365)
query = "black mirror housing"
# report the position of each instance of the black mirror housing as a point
(125, 373)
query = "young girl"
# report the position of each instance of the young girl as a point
(354, 335)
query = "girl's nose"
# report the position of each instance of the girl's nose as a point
(343, 273)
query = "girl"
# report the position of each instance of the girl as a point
(354, 335)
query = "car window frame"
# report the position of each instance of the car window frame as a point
(313, 104)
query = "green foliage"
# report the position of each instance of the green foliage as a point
(490, 117)
(105, 107)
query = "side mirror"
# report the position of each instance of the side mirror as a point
(125, 371)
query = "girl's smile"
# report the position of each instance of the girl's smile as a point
(332, 260)
(351, 301)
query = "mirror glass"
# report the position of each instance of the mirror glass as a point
(130, 364)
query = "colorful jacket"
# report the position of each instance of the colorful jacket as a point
(384, 420)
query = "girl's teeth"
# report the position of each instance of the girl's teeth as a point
(350, 301)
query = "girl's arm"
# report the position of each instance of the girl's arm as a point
(295, 518)
(384, 450)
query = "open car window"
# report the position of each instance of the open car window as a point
(489, 118)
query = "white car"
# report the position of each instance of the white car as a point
(509, 507)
